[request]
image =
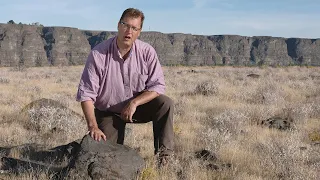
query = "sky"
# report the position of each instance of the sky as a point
(278, 18)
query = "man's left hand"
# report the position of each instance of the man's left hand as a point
(128, 111)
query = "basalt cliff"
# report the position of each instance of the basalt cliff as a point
(31, 45)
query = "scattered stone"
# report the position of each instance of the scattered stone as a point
(303, 148)
(213, 167)
(277, 123)
(253, 75)
(193, 71)
(315, 77)
(206, 155)
(316, 144)
(181, 174)
(210, 160)
(180, 72)
(228, 165)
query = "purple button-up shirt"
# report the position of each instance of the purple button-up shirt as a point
(110, 82)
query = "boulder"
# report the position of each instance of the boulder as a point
(105, 160)
(51, 119)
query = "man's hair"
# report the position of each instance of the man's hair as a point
(133, 13)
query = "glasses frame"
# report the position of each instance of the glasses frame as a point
(127, 26)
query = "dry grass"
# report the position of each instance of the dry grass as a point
(216, 108)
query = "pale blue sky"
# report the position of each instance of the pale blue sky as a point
(281, 18)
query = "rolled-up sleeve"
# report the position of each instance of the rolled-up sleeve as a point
(155, 81)
(89, 82)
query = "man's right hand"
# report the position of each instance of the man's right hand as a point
(97, 134)
(94, 131)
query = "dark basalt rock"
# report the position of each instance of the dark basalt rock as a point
(210, 161)
(86, 160)
(105, 160)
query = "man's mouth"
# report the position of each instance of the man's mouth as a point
(127, 37)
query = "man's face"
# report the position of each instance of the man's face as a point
(129, 30)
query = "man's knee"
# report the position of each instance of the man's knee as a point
(166, 102)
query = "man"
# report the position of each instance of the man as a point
(123, 82)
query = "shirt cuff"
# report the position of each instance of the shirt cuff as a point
(159, 90)
(84, 96)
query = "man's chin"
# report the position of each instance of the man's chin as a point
(127, 42)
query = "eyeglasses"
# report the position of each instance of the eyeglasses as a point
(126, 26)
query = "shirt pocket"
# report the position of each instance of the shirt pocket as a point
(138, 82)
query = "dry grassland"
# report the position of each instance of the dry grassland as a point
(219, 109)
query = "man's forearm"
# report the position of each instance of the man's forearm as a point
(88, 110)
(145, 97)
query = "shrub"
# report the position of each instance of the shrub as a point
(314, 136)
(4, 81)
(206, 88)
(50, 119)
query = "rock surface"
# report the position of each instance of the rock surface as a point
(86, 160)
(30, 45)
(28, 158)
(106, 160)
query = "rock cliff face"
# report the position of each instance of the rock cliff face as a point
(21, 45)
(65, 46)
(41, 46)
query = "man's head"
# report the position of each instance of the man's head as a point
(129, 26)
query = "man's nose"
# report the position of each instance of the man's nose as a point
(129, 29)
